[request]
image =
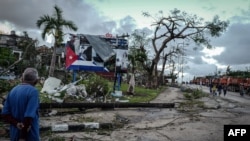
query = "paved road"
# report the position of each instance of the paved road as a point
(235, 96)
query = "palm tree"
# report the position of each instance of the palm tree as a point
(54, 25)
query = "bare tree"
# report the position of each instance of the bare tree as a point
(181, 26)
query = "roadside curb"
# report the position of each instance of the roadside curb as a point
(88, 126)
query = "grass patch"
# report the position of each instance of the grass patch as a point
(141, 94)
(192, 99)
(194, 94)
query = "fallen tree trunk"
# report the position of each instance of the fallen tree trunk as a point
(106, 105)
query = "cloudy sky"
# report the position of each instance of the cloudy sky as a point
(99, 17)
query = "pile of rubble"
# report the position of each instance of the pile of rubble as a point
(54, 90)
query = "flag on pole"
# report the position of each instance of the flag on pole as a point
(71, 57)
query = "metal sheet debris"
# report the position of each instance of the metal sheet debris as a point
(50, 85)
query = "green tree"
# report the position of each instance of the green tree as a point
(137, 53)
(179, 26)
(54, 25)
(6, 57)
(16, 63)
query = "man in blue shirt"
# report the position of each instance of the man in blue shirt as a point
(21, 108)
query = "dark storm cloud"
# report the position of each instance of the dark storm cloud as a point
(23, 14)
(236, 40)
(237, 44)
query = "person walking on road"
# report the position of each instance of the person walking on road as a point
(21, 108)
(214, 90)
(210, 88)
(219, 88)
(225, 90)
(242, 90)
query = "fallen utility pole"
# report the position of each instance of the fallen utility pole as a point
(106, 105)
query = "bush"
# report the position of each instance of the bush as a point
(96, 85)
(7, 85)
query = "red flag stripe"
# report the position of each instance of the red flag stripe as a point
(70, 56)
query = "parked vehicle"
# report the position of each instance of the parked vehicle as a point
(234, 84)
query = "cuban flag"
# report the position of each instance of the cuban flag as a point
(75, 62)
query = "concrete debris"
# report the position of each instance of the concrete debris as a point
(92, 125)
(71, 90)
(53, 112)
(57, 94)
(60, 127)
(78, 90)
(81, 89)
(52, 86)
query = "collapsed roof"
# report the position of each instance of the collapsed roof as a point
(101, 47)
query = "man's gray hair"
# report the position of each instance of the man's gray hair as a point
(30, 75)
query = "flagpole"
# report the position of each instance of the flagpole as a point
(74, 75)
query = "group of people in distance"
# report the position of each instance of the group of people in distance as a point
(216, 89)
